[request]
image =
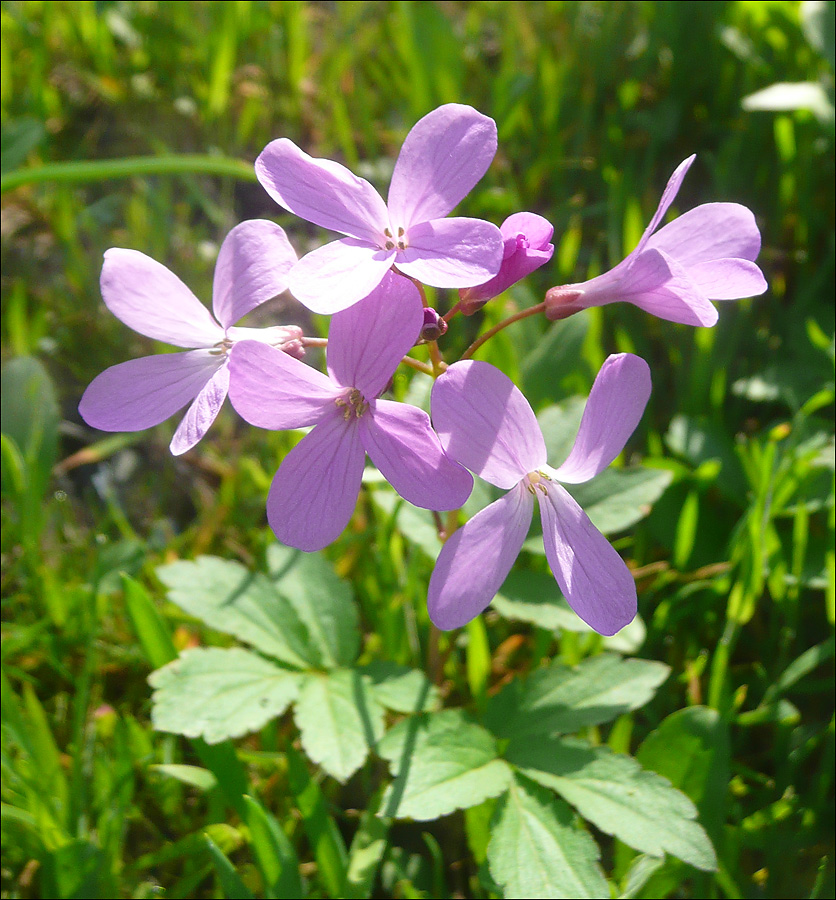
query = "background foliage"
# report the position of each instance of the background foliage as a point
(596, 104)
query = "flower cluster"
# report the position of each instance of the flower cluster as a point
(370, 281)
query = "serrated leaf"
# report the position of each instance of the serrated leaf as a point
(323, 601)
(339, 719)
(399, 688)
(536, 851)
(230, 598)
(441, 762)
(562, 700)
(217, 694)
(618, 796)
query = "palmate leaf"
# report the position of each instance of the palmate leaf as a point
(339, 719)
(562, 700)
(217, 694)
(399, 688)
(441, 762)
(536, 851)
(619, 797)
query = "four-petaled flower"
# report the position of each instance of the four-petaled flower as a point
(315, 489)
(486, 424)
(706, 254)
(442, 158)
(253, 265)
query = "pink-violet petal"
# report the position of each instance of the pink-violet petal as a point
(315, 490)
(152, 300)
(336, 276)
(271, 389)
(536, 230)
(668, 196)
(728, 279)
(485, 423)
(594, 579)
(452, 253)
(202, 413)
(477, 558)
(322, 191)
(709, 232)
(443, 157)
(253, 264)
(140, 393)
(615, 406)
(401, 443)
(677, 300)
(367, 341)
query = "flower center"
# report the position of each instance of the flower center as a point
(393, 243)
(535, 481)
(355, 404)
(222, 348)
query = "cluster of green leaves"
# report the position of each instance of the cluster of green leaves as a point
(538, 759)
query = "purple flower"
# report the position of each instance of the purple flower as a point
(253, 265)
(527, 246)
(486, 424)
(315, 489)
(706, 254)
(442, 158)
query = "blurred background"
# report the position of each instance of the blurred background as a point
(596, 104)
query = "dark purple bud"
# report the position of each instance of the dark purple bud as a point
(434, 326)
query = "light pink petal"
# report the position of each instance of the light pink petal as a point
(315, 490)
(401, 443)
(477, 558)
(152, 300)
(615, 406)
(485, 423)
(593, 577)
(143, 392)
(253, 264)
(452, 253)
(336, 276)
(202, 413)
(728, 279)
(367, 341)
(668, 196)
(443, 157)
(322, 191)
(272, 389)
(709, 232)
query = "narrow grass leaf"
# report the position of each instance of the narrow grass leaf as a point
(149, 626)
(231, 885)
(274, 853)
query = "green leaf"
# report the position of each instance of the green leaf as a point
(339, 719)
(149, 626)
(228, 597)
(323, 601)
(442, 762)
(231, 884)
(366, 853)
(536, 850)
(618, 796)
(642, 868)
(217, 694)
(618, 498)
(562, 700)
(194, 776)
(691, 748)
(555, 356)
(416, 525)
(399, 688)
(274, 853)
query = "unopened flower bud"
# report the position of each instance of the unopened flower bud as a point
(434, 326)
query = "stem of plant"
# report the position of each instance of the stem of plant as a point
(523, 314)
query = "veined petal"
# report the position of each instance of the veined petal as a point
(593, 577)
(272, 389)
(253, 264)
(143, 392)
(485, 423)
(477, 558)
(443, 157)
(202, 413)
(668, 196)
(152, 300)
(728, 279)
(336, 276)
(401, 443)
(536, 230)
(367, 341)
(322, 191)
(709, 232)
(452, 252)
(315, 490)
(678, 299)
(616, 404)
